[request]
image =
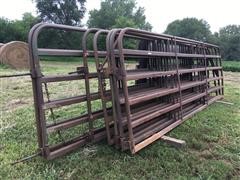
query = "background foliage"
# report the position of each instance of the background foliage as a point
(17, 30)
(190, 28)
(69, 12)
(228, 38)
(118, 14)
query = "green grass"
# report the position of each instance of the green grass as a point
(212, 136)
(233, 66)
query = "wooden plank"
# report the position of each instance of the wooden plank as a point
(224, 102)
(158, 135)
(173, 141)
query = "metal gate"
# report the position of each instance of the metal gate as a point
(175, 78)
(44, 103)
(147, 84)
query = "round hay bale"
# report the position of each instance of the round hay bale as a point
(15, 54)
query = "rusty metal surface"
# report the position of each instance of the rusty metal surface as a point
(174, 69)
(156, 82)
(51, 151)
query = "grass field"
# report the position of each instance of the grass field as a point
(233, 66)
(212, 136)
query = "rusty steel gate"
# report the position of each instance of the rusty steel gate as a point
(147, 84)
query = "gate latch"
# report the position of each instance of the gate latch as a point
(80, 70)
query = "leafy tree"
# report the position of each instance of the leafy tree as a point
(69, 12)
(16, 30)
(8, 31)
(23, 26)
(118, 13)
(190, 28)
(229, 38)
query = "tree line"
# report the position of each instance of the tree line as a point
(112, 14)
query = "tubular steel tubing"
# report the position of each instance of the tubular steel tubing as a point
(128, 53)
(157, 35)
(116, 73)
(125, 88)
(86, 74)
(120, 47)
(206, 72)
(113, 87)
(39, 123)
(14, 75)
(36, 79)
(178, 78)
(37, 90)
(168, 65)
(101, 88)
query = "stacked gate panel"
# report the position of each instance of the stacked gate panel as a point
(147, 84)
(173, 78)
